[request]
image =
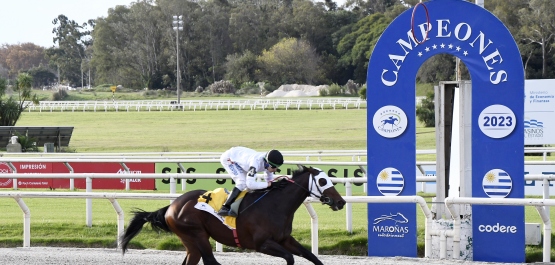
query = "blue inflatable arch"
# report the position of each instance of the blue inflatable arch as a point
(487, 48)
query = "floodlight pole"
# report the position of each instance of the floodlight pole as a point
(177, 26)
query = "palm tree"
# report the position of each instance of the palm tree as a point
(11, 108)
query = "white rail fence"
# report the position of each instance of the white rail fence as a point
(89, 195)
(356, 155)
(204, 105)
(540, 205)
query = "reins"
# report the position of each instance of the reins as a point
(266, 192)
(322, 198)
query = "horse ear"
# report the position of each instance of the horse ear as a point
(312, 170)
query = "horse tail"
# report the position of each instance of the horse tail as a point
(156, 219)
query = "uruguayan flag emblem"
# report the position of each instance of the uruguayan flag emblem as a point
(497, 183)
(390, 182)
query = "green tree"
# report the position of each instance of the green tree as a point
(130, 46)
(425, 112)
(366, 8)
(441, 67)
(356, 47)
(42, 76)
(538, 27)
(12, 106)
(241, 68)
(247, 28)
(72, 40)
(288, 62)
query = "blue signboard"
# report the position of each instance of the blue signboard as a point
(492, 57)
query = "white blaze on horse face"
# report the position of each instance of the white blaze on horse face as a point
(315, 187)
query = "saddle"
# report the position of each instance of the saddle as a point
(216, 198)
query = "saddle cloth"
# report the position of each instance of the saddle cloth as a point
(211, 202)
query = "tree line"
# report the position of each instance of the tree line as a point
(249, 41)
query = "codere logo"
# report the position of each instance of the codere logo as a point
(497, 228)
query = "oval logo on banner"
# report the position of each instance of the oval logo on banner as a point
(390, 121)
(390, 182)
(497, 183)
(497, 121)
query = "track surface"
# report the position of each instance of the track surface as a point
(98, 256)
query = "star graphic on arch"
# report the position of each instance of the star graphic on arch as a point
(419, 54)
(465, 53)
(450, 46)
(427, 49)
(458, 48)
(442, 45)
(435, 47)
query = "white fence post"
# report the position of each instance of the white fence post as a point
(88, 201)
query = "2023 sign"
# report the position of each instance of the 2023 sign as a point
(497, 121)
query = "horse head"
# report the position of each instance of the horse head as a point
(321, 187)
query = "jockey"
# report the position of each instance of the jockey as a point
(242, 164)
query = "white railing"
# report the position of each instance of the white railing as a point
(208, 158)
(356, 154)
(540, 205)
(172, 181)
(378, 199)
(112, 197)
(200, 104)
(455, 233)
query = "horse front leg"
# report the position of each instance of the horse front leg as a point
(272, 248)
(293, 246)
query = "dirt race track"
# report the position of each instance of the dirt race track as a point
(96, 256)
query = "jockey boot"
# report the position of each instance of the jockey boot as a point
(226, 208)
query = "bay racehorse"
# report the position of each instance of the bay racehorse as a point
(265, 227)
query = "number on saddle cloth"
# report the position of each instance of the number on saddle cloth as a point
(216, 198)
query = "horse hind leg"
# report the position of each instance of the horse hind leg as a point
(193, 255)
(196, 249)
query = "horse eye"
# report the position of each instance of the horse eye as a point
(322, 182)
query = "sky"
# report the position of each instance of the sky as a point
(24, 21)
(31, 20)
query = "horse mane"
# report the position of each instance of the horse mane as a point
(298, 172)
(294, 175)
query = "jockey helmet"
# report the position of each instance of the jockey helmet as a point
(274, 158)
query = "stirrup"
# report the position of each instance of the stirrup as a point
(224, 211)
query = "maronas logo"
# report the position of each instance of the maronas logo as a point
(390, 121)
(392, 225)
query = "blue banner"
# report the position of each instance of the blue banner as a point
(492, 57)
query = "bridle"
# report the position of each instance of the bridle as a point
(313, 184)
